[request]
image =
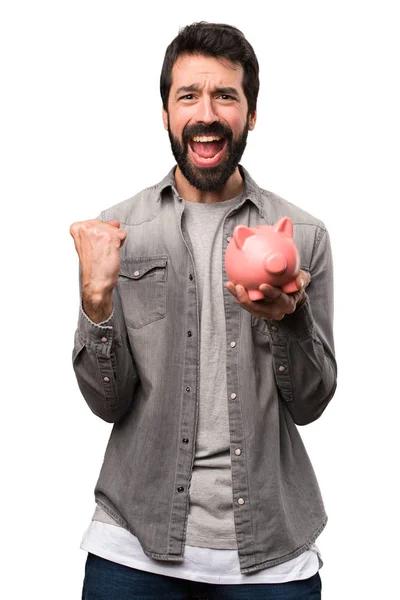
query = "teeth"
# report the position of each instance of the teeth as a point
(206, 138)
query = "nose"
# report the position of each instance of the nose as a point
(275, 262)
(206, 112)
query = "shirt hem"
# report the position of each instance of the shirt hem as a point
(186, 572)
(277, 561)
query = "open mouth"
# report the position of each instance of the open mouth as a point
(207, 150)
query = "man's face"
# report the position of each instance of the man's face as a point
(207, 119)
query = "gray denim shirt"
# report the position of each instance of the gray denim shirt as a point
(140, 371)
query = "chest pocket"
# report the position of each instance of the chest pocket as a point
(142, 284)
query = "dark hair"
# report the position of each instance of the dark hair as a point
(217, 40)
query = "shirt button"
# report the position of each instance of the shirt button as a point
(189, 334)
(136, 273)
(106, 379)
(191, 277)
(241, 501)
(228, 239)
(282, 368)
(238, 452)
(104, 340)
(232, 344)
(185, 441)
(180, 489)
(274, 328)
(188, 389)
(233, 395)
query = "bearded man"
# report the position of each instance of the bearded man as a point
(206, 486)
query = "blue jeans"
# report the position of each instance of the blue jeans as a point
(106, 580)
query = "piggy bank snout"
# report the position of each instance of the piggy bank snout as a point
(275, 262)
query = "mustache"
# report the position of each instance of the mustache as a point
(200, 129)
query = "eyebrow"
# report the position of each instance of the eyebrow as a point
(196, 87)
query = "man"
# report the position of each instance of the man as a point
(206, 485)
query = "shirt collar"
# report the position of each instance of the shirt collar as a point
(251, 190)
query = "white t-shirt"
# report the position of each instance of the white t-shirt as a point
(115, 543)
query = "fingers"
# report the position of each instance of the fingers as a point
(274, 306)
(97, 225)
(231, 288)
(274, 295)
(122, 234)
(302, 280)
(74, 230)
(239, 292)
(242, 295)
(264, 308)
(271, 293)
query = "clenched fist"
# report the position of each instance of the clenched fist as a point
(98, 246)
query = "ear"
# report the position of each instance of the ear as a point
(165, 119)
(284, 225)
(240, 235)
(252, 120)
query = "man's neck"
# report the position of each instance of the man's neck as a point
(233, 187)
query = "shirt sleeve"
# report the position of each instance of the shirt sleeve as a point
(103, 363)
(303, 346)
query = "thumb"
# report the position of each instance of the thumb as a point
(113, 223)
(302, 280)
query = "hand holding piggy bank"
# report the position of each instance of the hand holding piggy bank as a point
(263, 254)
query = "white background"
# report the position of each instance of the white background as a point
(80, 131)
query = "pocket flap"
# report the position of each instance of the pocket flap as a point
(135, 268)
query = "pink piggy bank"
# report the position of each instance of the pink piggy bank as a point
(263, 254)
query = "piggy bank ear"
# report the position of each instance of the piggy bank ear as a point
(284, 225)
(240, 235)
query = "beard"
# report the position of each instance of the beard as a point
(208, 179)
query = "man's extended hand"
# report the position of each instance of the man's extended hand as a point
(275, 304)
